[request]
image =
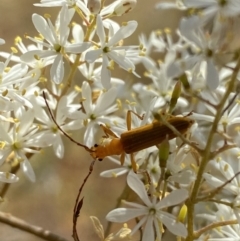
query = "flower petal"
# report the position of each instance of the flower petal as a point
(172, 225)
(123, 32)
(175, 197)
(148, 233)
(77, 48)
(57, 69)
(28, 170)
(43, 28)
(58, 147)
(212, 77)
(106, 100)
(100, 30)
(8, 177)
(120, 215)
(114, 172)
(105, 73)
(92, 55)
(137, 186)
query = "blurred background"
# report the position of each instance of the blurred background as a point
(49, 201)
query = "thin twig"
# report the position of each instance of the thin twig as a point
(192, 94)
(211, 226)
(216, 190)
(230, 103)
(222, 149)
(79, 203)
(29, 228)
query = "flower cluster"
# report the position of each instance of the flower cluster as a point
(189, 112)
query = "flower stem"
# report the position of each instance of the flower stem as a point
(192, 199)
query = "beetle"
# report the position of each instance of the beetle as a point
(139, 138)
(132, 140)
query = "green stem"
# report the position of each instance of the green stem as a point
(207, 153)
(76, 62)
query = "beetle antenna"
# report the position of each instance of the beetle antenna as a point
(59, 127)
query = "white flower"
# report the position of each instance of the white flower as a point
(215, 8)
(124, 6)
(50, 134)
(92, 113)
(223, 213)
(229, 122)
(139, 158)
(57, 44)
(153, 167)
(56, 3)
(201, 63)
(181, 163)
(8, 177)
(10, 82)
(210, 9)
(2, 41)
(37, 64)
(227, 170)
(146, 44)
(94, 6)
(81, 4)
(162, 84)
(108, 50)
(151, 212)
(178, 4)
(91, 73)
(20, 139)
(122, 234)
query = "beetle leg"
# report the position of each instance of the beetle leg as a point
(134, 164)
(122, 158)
(190, 113)
(108, 132)
(129, 118)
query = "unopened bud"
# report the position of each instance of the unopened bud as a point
(94, 6)
(185, 82)
(124, 6)
(182, 214)
(164, 153)
(175, 95)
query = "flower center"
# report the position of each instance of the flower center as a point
(209, 53)
(57, 47)
(54, 129)
(106, 49)
(92, 117)
(16, 145)
(152, 211)
(222, 2)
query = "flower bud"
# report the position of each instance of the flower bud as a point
(124, 7)
(182, 214)
(175, 95)
(164, 153)
(94, 6)
(184, 79)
